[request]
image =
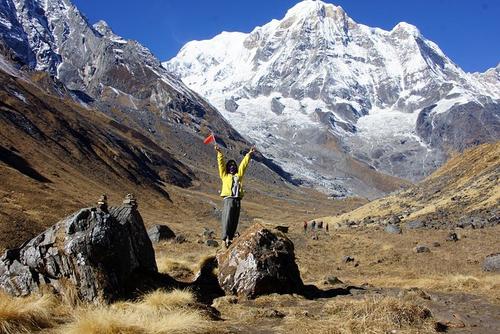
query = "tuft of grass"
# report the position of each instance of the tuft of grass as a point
(26, 315)
(103, 320)
(158, 312)
(162, 300)
(368, 315)
(175, 268)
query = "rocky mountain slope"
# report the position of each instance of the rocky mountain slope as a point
(391, 99)
(58, 155)
(117, 76)
(86, 112)
(464, 192)
(125, 81)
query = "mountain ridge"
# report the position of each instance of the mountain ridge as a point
(316, 69)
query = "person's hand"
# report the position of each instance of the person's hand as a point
(217, 148)
(252, 150)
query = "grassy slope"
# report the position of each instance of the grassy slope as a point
(466, 183)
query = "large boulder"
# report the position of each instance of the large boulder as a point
(159, 233)
(492, 263)
(261, 261)
(99, 252)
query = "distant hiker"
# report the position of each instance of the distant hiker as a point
(313, 225)
(232, 191)
(320, 224)
(326, 227)
(305, 226)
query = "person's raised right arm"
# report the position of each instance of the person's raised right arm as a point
(220, 162)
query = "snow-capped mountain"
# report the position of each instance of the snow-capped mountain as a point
(316, 84)
(101, 68)
(107, 73)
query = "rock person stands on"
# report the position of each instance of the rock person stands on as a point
(232, 191)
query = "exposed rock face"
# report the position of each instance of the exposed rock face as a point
(158, 233)
(492, 263)
(462, 126)
(231, 105)
(261, 261)
(393, 229)
(101, 254)
(276, 106)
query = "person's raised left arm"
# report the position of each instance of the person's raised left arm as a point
(244, 163)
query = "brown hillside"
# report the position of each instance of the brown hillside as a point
(57, 155)
(466, 185)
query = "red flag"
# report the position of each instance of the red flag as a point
(209, 139)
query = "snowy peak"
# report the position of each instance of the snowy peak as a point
(103, 28)
(313, 8)
(403, 27)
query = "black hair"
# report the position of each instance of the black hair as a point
(229, 163)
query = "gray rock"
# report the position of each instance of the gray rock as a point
(98, 254)
(416, 224)
(276, 106)
(208, 233)
(180, 239)
(332, 280)
(393, 229)
(492, 263)
(462, 126)
(421, 249)
(231, 105)
(273, 314)
(261, 261)
(452, 236)
(211, 243)
(282, 228)
(158, 233)
(347, 259)
(394, 220)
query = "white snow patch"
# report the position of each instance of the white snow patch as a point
(6, 23)
(20, 96)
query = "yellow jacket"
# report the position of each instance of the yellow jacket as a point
(227, 178)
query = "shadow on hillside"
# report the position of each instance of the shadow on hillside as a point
(17, 162)
(205, 284)
(313, 292)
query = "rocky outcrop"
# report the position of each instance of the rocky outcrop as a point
(492, 263)
(276, 106)
(231, 105)
(261, 261)
(462, 126)
(158, 233)
(99, 252)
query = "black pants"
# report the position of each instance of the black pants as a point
(230, 217)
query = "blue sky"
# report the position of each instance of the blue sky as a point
(468, 31)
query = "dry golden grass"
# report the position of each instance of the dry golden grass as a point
(162, 300)
(372, 315)
(482, 284)
(25, 315)
(338, 315)
(173, 267)
(155, 313)
(135, 320)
